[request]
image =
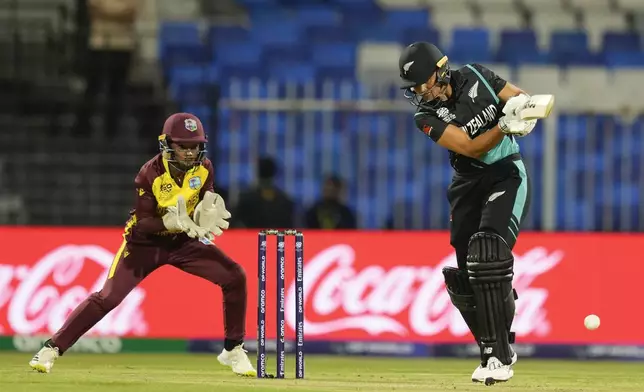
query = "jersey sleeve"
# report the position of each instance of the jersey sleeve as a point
(146, 205)
(495, 81)
(430, 125)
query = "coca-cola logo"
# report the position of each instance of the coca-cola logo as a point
(405, 299)
(39, 298)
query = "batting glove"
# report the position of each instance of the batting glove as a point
(514, 106)
(518, 128)
(211, 213)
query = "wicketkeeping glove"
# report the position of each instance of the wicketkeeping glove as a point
(177, 219)
(211, 213)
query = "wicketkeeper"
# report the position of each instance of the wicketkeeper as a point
(473, 113)
(176, 211)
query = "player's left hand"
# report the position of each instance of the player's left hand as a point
(185, 223)
(517, 128)
(211, 213)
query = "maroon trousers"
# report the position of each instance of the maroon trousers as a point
(133, 263)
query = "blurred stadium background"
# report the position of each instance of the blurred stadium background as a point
(313, 85)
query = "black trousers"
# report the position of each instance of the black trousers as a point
(104, 69)
(495, 201)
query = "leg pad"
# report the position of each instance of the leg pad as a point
(462, 296)
(490, 270)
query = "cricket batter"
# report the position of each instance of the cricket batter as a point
(175, 208)
(470, 112)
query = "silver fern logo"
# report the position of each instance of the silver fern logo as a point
(474, 91)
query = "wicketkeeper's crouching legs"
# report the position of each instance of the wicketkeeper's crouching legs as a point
(211, 263)
(130, 266)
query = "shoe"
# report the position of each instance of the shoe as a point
(44, 359)
(496, 371)
(238, 361)
(480, 373)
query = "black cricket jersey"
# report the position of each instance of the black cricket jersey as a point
(475, 108)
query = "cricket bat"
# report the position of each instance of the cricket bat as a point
(538, 106)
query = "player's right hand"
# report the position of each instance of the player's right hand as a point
(171, 220)
(518, 128)
(177, 219)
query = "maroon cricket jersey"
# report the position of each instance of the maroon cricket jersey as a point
(156, 190)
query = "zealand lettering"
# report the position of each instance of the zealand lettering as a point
(481, 120)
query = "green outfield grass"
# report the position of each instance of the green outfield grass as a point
(200, 372)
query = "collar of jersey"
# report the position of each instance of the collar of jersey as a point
(166, 165)
(457, 82)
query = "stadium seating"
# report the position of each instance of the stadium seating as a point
(576, 49)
